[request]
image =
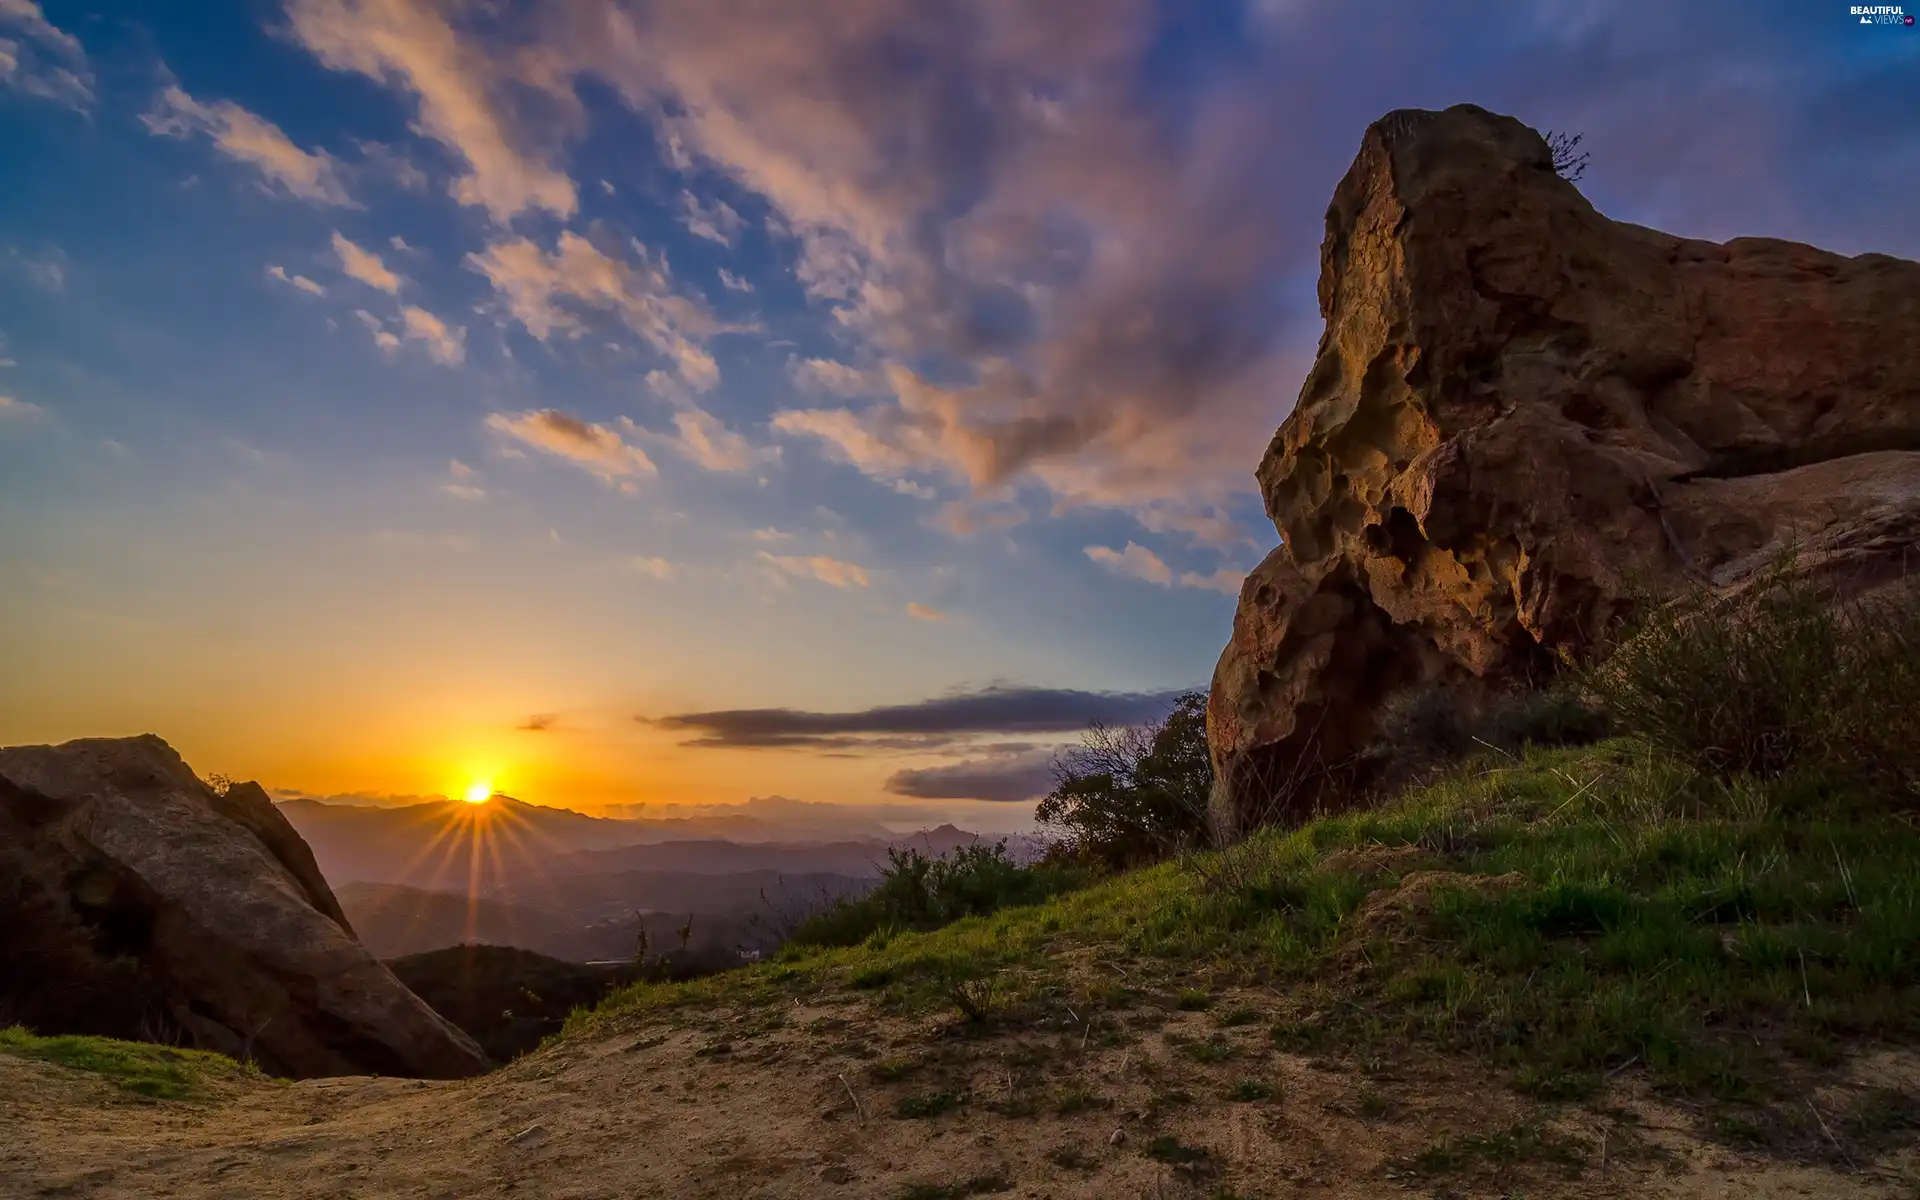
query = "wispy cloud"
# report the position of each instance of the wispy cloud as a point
(716, 222)
(40, 59)
(653, 567)
(1001, 709)
(1224, 580)
(732, 282)
(19, 410)
(456, 87)
(539, 723)
(831, 571)
(364, 265)
(253, 140)
(699, 437)
(447, 345)
(595, 448)
(544, 291)
(921, 612)
(299, 281)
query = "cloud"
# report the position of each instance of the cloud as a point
(732, 282)
(770, 535)
(825, 377)
(253, 140)
(383, 337)
(460, 470)
(595, 448)
(1224, 580)
(831, 571)
(464, 491)
(964, 518)
(40, 59)
(365, 266)
(539, 723)
(655, 568)
(542, 291)
(1008, 778)
(448, 346)
(921, 612)
(700, 438)
(998, 709)
(716, 222)
(300, 281)
(19, 410)
(457, 87)
(1136, 561)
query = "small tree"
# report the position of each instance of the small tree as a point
(1569, 160)
(1134, 794)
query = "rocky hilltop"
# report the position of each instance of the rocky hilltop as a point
(1523, 414)
(137, 901)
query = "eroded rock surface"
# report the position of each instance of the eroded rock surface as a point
(1524, 414)
(140, 903)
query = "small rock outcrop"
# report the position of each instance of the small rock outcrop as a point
(141, 903)
(1524, 415)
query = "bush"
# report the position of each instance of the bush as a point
(1134, 795)
(1427, 729)
(1784, 678)
(917, 893)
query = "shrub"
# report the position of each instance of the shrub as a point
(919, 892)
(1133, 795)
(1786, 677)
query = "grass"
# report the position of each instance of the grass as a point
(157, 1072)
(1516, 1143)
(1714, 935)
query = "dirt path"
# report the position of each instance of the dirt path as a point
(838, 1101)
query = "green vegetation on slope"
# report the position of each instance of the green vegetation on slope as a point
(1568, 912)
(160, 1072)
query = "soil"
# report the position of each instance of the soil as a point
(838, 1099)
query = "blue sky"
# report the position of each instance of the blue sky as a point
(384, 374)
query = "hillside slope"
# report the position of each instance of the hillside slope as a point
(1583, 973)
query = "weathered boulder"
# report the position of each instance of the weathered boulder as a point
(141, 903)
(1523, 415)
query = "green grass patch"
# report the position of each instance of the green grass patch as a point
(158, 1072)
(1645, 917)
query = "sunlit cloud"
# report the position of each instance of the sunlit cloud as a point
(365, 266)
(732, 282)
(831, 571)
(447, 346)
(826, 377)
(716, 222)
(545, 291)
(1224, 580)
(410, 45)
(921, 612)
(700, 438)
(39, 59)
(653, 567)
(299, 281)
(598, 449)
(1136, 561)
(19, 410)
(253, 140)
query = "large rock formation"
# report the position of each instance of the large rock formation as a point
(1523, 415)
(139, 902)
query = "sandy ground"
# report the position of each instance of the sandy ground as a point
(820, 1101)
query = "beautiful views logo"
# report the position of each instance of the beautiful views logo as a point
(1881, 14)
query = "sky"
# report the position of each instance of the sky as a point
(655, 402)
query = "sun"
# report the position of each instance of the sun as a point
(480, 793)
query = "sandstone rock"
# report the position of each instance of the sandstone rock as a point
(1522, 416)
(203, 913)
